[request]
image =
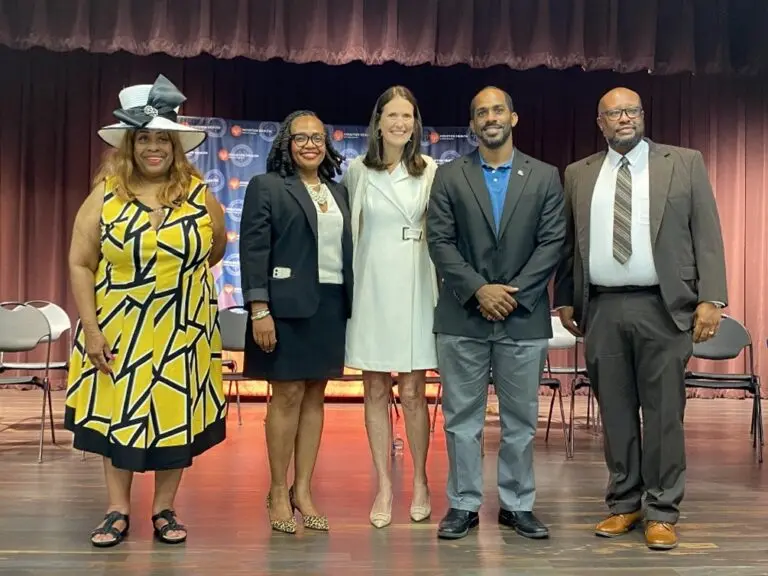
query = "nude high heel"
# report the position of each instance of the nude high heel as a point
(382, 519)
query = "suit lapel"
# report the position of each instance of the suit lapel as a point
(518, 177)
(474, 174)
(584, 189)
(660, 176)
(299, 192)
(385, 182)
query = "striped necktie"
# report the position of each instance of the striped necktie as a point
(622, 214)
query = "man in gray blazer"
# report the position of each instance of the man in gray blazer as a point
(643, 277)
(495, 229)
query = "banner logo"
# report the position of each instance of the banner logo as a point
(241, 155)
(215, 127)
(235, 209)
(472, 138)
(232, 264)
(268, 131)
(215, 180)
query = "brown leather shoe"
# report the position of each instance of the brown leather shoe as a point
(660, 536)
(618, 524)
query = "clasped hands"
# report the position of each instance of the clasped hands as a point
(496, 301)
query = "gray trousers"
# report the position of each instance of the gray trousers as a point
(465, 365)
(636, 358)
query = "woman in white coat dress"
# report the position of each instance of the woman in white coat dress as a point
(395, 289)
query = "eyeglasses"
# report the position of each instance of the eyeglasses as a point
(615, 114)
(302, 139)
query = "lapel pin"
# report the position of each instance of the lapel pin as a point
(520, 173)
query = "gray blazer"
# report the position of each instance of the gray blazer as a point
(685, 233)
(468, 254)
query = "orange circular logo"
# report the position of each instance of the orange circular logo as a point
(234, 183)
(236, 131)
(338, 135)
(223, 154)
(228, 288)
(231, 235)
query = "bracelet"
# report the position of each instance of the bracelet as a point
(259, 314)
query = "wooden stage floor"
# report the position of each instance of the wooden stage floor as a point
(48, 510)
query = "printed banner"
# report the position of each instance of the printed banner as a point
(237, 151)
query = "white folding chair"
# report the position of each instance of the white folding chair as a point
(22, 329)
(561, 340)
(60, 324)
(233, 322)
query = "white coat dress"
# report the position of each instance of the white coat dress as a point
(395, 289)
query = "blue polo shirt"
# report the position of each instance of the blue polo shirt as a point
(497, 181)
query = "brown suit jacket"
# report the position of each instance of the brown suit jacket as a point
(685, 233)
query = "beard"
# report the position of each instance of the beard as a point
(498, 140)
(628, 142)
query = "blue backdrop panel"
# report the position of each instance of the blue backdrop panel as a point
(236, 151)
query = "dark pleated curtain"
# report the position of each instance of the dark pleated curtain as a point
(665, 36)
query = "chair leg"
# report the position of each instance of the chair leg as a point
(391, 421)
(50, 414)
(237, 391)
(564, 425)
(549, 418)
(229, 395)
(42, 426)
(572, 417)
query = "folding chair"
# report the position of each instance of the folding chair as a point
(22, 329)
(233, 322)
(60, 324)
(561, 340)
(727, 344)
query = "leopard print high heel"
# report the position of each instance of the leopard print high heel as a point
(285, 526)
(319, 523)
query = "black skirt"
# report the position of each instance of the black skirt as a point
(307, 348)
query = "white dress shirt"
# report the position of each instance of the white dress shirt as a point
(330, 226)
(604, 269)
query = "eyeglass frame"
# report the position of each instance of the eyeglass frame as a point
(310, 138)
(621, 112)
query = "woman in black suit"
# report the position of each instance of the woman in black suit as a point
(296, 264)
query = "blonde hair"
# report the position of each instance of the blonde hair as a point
(120, 165)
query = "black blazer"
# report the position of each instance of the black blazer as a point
(468, 254)
(278, 230)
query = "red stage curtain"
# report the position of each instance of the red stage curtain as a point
(666, 36)
(51, 105)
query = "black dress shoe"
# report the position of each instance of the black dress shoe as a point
(457, 524)
(524, 523)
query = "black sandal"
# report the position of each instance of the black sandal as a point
(161, 533)
(109, 528)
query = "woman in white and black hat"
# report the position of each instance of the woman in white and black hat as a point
(145, 388)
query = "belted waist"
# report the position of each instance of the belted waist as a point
(415, 234)
(629, 289)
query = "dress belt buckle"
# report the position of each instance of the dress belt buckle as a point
(412, 233)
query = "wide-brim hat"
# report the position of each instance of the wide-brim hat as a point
(151, 107)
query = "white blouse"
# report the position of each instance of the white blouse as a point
(330, 227)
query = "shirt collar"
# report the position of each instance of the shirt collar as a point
(506, 166)
(633, 155)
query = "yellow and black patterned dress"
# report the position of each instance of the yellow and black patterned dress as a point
(156, 306)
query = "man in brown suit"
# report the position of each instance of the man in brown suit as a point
(642, 278)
